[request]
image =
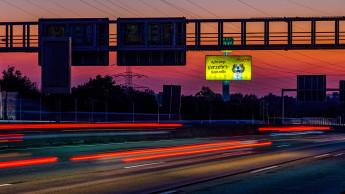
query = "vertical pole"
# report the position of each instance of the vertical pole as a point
(336, 32)
(20, 108)
(133, 112)
(40, 108)
(92, 109)
(60, 108)
(158, 111)
(283, 107)
(252, 118)
(28, 35)
(274, 118)
(179, 108)
(220, 33)
(289, 33)
(243, 33)
(174, 36)
(263, 111)
(57, 108)
(170, 102)
(106, 111)
(268, 116)
(267, 33)
(5, 106)
(6, 36)
(313, 32)
(24, 35)
(226, 90)
(197, 33)
(226, 87)
(11, 35)
(340, 120)
(75, 109)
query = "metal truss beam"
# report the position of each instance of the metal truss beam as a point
(290, 38)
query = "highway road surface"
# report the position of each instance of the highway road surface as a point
(285, 162)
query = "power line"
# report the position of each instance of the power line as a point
(321, 66)
(299, 4)
(97, 8)
(241, 1)
(255, 8)
(123, 8)
(109, 8)
(212, 14)
(23, 10)
(143, 1)
(65, 8)
(42, 8)
(131, 8)
(179, 8)
(319, 60)
(186, 12)
(203, 8)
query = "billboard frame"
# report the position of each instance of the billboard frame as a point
(228, 56)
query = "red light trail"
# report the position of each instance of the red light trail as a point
(19, 137)
(194, 152)
(27, 162)
(10, 140)
(151, 150)
(11, 135)
(85, 125)
(297, 128)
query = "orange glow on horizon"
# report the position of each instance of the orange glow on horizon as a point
(84, 125)
(27, 162)
(194, 152)
(151, 150)
(298, 128)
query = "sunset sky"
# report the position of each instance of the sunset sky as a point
(271, 70)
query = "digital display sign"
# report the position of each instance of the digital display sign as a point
(89, 36)
(151, 41)
(228, 67)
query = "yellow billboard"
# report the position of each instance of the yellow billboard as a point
(228, 67)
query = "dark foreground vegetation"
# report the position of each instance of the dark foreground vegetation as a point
(102, 94)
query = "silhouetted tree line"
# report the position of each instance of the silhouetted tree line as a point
(101, 93)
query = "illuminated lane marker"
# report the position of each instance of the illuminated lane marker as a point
(141, 165)
(2, 185)
(323, 155)
(27, 162)
(339, 154)
(263, 169)
(152, 150)
(280, 146)
(194, 152)
(168, 192)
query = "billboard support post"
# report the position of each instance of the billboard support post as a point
(226, 83)
(226, 90)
